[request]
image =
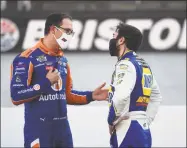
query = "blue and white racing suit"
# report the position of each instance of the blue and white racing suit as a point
(134, 93)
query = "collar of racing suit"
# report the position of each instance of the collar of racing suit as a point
(49, 51)
(124, 54)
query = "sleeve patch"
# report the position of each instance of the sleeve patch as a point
(123, 66)
(121, 75)
(119, 82)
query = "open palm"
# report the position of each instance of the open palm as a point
(100, 94)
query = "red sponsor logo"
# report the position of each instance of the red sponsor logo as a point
(36, 87)
(141, 104)
(49, 67)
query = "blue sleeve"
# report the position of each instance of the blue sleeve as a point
(21, 88)
(112, 112)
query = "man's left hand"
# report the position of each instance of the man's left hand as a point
(100, 94)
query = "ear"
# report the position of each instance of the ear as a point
(122, 40)
(53, 29)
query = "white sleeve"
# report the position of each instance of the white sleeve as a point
(124, 82)
(155, 101)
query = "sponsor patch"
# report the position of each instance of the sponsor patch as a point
(18, 73)
(64, 64)
(20, 68)
(143, 100)
(25, 90)
(36, 87)
(60, 62)
(41, 58)
(18, 79)
(121, 75)
(17, 85)
(41, 64)
(123, 66)
(53, 97)
(48, 63)
(20, 64)
(119, 82)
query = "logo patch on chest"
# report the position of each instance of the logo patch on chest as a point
(41, 58)
(41, 64)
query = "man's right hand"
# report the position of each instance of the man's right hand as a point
(53, 76)
(111, 129)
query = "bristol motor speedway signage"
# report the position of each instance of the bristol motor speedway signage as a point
(93, 31)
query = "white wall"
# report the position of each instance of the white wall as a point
(90, 69)
(88, 123)
(89, 126)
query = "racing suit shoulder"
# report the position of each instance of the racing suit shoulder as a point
(124, 64)
(124, 68)
(65, 59)
(29, 51)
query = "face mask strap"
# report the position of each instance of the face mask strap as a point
(55, 31)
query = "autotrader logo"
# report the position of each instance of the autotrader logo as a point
(9, 34)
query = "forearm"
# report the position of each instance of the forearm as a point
(75, 97)
(155, 101)
(88, 94)
(24, 94)
(153, 106)
(152, 110)
(112, 114)
(117, 107)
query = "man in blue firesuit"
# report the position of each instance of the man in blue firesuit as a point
(134, 95)
(41, 79)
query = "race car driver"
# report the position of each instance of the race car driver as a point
(41, 79)
(134, 95)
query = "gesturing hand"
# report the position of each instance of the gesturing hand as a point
(100, 94)
(53, 76)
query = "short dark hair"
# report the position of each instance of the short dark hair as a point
(132, 35)
(55, 19)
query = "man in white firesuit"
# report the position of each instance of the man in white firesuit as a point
(134, 95)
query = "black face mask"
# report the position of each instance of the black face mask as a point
(112, 47)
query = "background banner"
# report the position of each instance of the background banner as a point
(163, 31)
